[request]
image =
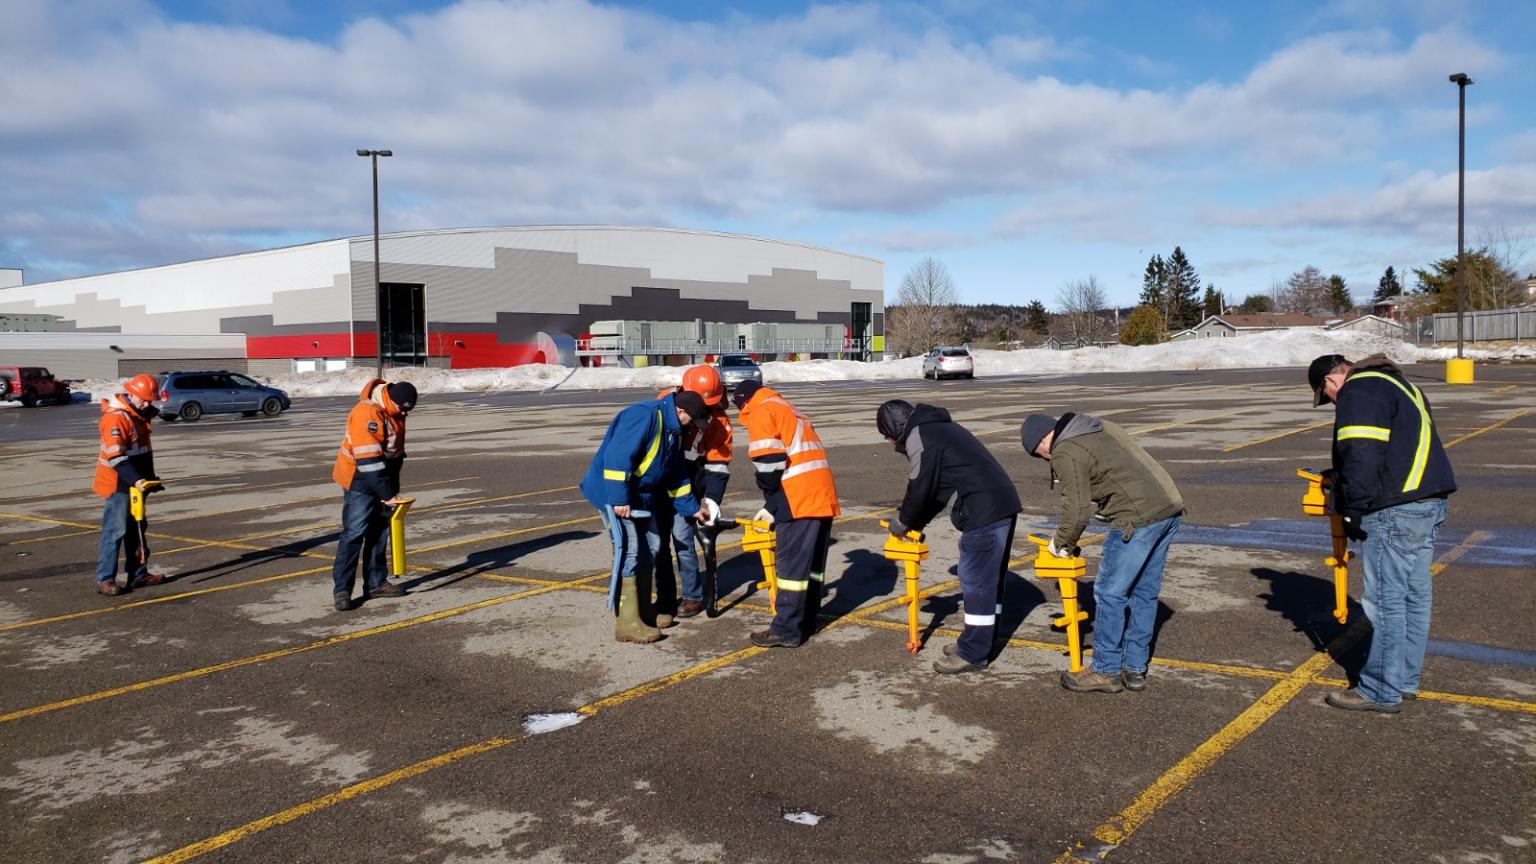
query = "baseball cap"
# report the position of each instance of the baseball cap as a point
(1318, 371)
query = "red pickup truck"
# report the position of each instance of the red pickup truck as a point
(29, 384)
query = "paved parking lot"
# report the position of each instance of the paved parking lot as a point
(232, 715)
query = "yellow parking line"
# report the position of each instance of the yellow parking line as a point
(1506, 388)
(1193, 420)
(1270, 438)
(1489, 428)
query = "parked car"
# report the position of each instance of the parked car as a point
(736, 368)
(28, 384)
(949, 362)
(190, 395)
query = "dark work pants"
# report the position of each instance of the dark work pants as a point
(801, 557)
(983, 567)
(364, 533)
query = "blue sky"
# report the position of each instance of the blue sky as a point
(1022, 144)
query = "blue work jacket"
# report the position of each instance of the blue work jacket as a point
(640, 459)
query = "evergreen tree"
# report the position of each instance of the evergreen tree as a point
(1144, 327)
(1212, 304)
(1154, 287)
(1388, 287)
(1339, 299)
(1182, 291)
(1255, 303)
(1037, 320)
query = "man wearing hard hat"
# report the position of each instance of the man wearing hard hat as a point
(125, 461)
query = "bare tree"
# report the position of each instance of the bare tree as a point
(1499, 287)
(1306, 292)
(1081, 302)
(923, 317)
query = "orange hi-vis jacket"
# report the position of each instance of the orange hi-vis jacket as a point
(708, 453)
(788, 459)
(374, 446)
(125, 456)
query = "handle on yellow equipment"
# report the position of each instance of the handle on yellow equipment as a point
(914, 536)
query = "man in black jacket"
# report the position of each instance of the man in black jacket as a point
(1391, 482)
(947, 462)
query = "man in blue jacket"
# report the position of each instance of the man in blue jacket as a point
(640, 459)
(947, 463)
(1391, 483)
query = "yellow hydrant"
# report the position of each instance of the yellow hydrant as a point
(759, 537)
(397, 534)
(910, 549)
(1314, 502)
(1066, 572)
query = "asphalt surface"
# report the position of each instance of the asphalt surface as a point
(232, 715)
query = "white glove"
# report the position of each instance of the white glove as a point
(763, 516)
(711, 511)
(1058, 551)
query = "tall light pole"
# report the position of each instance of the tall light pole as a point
(378, 317)
(1461, 81)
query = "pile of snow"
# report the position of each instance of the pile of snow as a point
(1279, 348)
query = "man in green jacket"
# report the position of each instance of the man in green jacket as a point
(1104, 473)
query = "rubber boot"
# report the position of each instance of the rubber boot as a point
(645, 586)
(627, 626)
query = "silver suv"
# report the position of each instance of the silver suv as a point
(736, 368)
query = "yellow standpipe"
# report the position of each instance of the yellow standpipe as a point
(1458, 370)
(137, 496)
(397, 534)
(910, 549)
(1314, 502)
(1066, 572)
(759, 537)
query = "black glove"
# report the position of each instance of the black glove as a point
(898, 530)
(1352, 528)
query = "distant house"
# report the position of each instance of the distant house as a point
(1244, 324)
(1530, 289)
(1390, 308)
(1372, 324)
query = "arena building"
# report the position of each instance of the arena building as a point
(465, 298)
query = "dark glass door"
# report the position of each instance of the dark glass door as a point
(861, 331)
(403, 324)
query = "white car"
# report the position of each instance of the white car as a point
(949, 362)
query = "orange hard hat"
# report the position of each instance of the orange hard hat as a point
(143, 386)
(705, 381)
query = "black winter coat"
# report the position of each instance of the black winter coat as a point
(948, 463)
(1386, 450)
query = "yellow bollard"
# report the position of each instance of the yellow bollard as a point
(910, 550)
(1314, 502)
(759, 537)
(1066, 572)
(1458, 370)
(397, 534)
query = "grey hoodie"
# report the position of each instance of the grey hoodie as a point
(1104, 472)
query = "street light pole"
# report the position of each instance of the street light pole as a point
(1461, 81)
(378, 317)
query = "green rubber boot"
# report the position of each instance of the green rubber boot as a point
(645, 583)
(627, 626)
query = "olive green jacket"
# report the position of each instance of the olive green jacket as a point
(1102, 471)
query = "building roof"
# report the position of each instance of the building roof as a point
(1248, 320)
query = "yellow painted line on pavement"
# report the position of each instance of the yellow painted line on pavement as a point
(1489, 428)
(1266, 440)
(1506, 388)
(1496, 704)
(1222, 415)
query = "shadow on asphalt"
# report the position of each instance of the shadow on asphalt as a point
(493, 559)
(1307, 602)
(292, 549)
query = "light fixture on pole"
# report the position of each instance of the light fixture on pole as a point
(378, 318)
(1459, 371)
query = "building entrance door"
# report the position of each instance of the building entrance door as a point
(861, 332)
(403, 324)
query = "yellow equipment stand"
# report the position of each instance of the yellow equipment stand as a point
(136, 498)
(1314, 502)
(910, 550)
(397, 534)
(759, 537)
(1066, 572)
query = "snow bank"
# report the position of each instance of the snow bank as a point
(1293, 348)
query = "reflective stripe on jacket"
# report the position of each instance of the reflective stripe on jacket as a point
(640, 456)
(788, 459)
(1386, 450)
(125, 456)
(373, 447)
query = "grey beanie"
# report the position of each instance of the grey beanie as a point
(1033, 430)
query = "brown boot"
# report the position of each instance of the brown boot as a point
(1089, 681)
(110, 589)
(690, 608)
(627, 626)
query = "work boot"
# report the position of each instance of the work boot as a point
(387, 589)
(1089, 681)
(627, 626)
(1351, 700)
(690, 608)
(645, 583)
(954, 664)
(343, 602)
(110, 588)
(147, 578)
(770, 639)
(1133, 681)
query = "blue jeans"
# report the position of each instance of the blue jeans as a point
(1129, 580)
(1398, 550)
(687, 557)
(629, 554)
(118, 532)
(364, 534)
(983, 566)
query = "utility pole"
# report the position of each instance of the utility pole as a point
(378, 317)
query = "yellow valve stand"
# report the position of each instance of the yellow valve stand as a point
(397, 534)
(910, 549)
(1458, 370)
(137, 496)
(1314, 502)
(759, 537)
(1066, 572)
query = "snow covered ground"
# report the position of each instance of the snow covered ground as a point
(1289, 348)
